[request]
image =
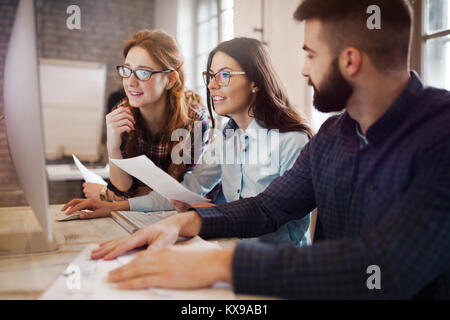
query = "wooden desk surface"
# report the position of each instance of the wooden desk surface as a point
(28, 276)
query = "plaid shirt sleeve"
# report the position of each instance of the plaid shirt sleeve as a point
(266, 212)
(202, 121)
(410, 244)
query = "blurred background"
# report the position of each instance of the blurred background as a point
(92, 52)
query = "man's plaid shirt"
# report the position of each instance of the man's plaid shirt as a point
(385, 203)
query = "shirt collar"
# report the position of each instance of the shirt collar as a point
(396, 113)
(251, 131)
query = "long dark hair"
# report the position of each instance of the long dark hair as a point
(271, 107)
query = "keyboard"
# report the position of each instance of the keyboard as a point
(135, 220)
(142, 219)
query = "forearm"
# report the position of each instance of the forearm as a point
(119, 178)
(289, 197)
(245, 218)
(410, 249)
(120, 205)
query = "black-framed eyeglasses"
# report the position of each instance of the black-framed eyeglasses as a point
(141, 74)
(222, 77)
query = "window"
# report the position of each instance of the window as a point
(214, 25)
(430, 52)
(432, 42)
(436, 38)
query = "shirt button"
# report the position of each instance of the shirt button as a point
(238, 190)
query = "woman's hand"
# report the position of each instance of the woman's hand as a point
(92, 190)
(180, 206)
(183, 207)
(160, 234)
(99, 208)
(118, 121)
(175, 267)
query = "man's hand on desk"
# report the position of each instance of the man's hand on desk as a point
(158, 235)
(99, 208)
(175, 267)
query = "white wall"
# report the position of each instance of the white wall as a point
(165, 15)
(176, 17)
(185, 38)
(284, 37)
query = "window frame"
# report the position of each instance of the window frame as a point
(219, 32)
(419, 37)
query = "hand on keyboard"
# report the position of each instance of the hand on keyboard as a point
(160, 234)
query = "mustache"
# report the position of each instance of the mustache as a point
(310, 83)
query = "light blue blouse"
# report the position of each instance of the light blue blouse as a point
(246, 162)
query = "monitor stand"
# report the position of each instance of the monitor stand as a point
(26, 243)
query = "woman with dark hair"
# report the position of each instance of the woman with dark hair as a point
(270, 107)
(243, 85)
(260, 142)
(156, 104)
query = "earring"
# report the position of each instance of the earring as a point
(253, 90)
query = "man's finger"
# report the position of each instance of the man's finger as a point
(137, 268)
(157, 243)
(151, 281)
(135, 241)
(105, 243)
(102, 252)
(105, 249)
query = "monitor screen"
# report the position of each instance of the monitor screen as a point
(23, 114)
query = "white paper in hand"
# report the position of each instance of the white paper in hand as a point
(145, 170)
(88, 175)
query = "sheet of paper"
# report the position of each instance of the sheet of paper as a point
(88, 175)
(85, 279)
(145, 170)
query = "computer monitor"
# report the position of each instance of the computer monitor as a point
(23, 117)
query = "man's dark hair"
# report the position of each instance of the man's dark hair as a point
(345, 24)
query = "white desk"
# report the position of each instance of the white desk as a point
(28, 276)
(65, 172)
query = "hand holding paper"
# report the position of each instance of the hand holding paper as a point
(88, 175)
(145, 170)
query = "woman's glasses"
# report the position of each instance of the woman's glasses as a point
(141, 74)
(222, 77)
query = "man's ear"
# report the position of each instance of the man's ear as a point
(350, 61)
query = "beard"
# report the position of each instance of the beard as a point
(333, 94)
